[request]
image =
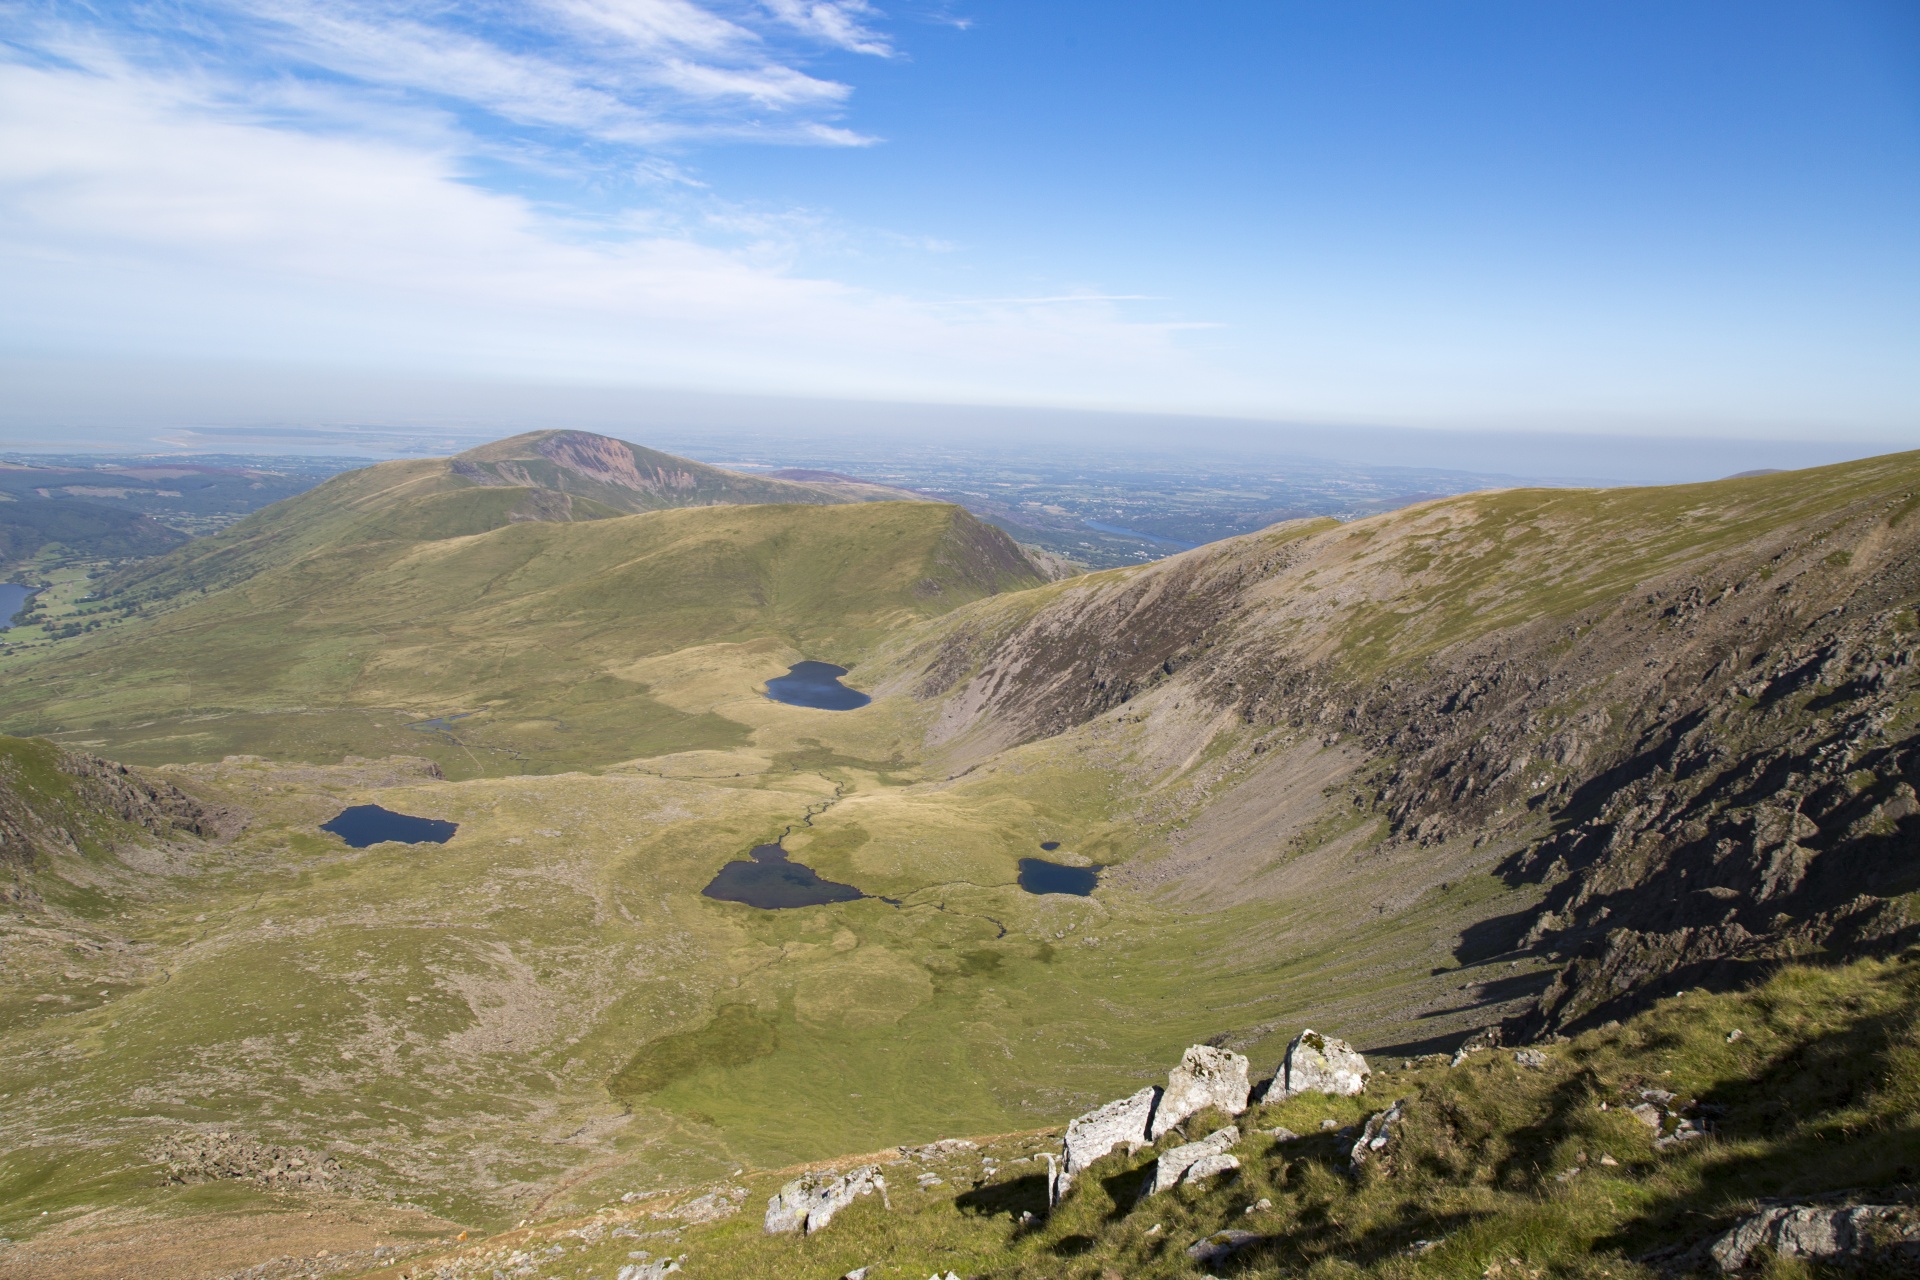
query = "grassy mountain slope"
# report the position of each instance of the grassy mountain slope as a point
(537, 624)
(541, 476)
(31, 525)
(1497, 1169)
(1514, 758)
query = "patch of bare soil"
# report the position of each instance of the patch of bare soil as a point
(253, 1245)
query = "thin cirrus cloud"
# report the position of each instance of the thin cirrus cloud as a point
(631, 71)
(291, 177)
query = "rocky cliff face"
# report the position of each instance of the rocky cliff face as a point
(1692, 710)
(62, 801)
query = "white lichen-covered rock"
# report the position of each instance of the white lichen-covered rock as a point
(1211, 1166)
(1318, 1064)
(1120, 1123)
(809, 1202)
(1206, 1077)
(1176, 1165)
(1847, 1234)
(1377, 1133)
(657, 1270)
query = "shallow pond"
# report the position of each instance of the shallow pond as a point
(441, 724)
(13, 598)
(817, 685)
(772, 882)
(369, 824)
(1037, 875)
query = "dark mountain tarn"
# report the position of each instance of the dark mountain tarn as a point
(1037, 875)
(816, 685)
(369, 824)
(772, 882)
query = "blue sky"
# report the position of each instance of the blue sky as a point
(1673, 217)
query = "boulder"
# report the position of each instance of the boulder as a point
(1211, 1166)
(1177, 1164)
(1125, 1121)
(1206, 1077)
(1318, 1064)
(1221, 1245)
(1845, 1234)
(657, 1270)
(809, 1202)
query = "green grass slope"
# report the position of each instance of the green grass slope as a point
(533, 623)
(541, 476)
(1306, 820)
(1497, 1169)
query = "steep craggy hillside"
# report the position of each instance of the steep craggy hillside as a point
(1690, 712)
(54, 801)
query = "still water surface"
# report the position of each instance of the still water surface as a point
(771, 882)
(1037, 875)
(369, 824)
(13, 597)
(815, 684)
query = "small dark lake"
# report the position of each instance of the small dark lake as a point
(441, 724)
(369, 824)
(817, 685)
(1037, 875)
(772, 882)
(13, 598)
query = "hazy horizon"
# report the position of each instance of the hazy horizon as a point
(282, 413)
(1641, 220)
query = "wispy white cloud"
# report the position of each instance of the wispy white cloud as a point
(657, 24)
(838, 22)
(633, 73)
(138, 211)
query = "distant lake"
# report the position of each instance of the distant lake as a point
(1135, 533)
(770, 881)
(12, 599)
(441, 724)
(369, 824)
(817, 685)
(1037, 875)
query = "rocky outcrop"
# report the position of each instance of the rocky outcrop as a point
(1853, 1234)
(1221, 1246)
(1318, 1064)
(216, 1157)
(809, 1202)
(1206, 1077)
(1194, 1162)
(53, 800)
(1377, 1133)
(652, 1269)
(1124, 1122)
(158, 807)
